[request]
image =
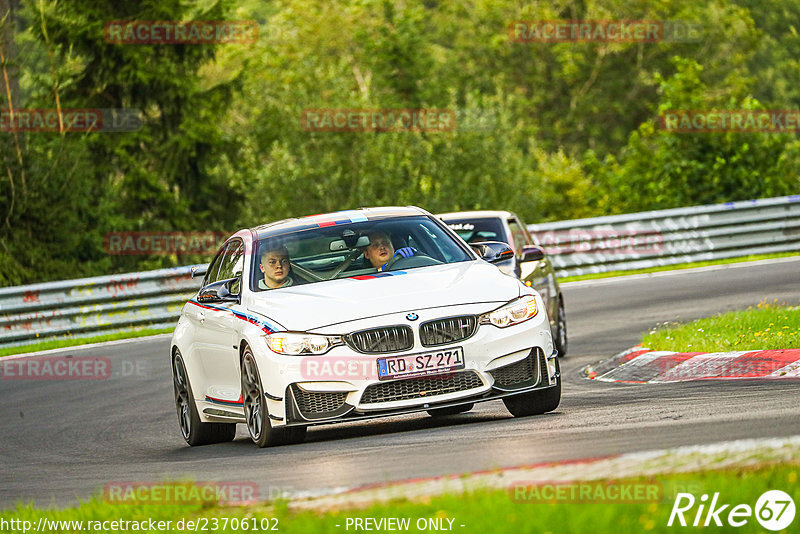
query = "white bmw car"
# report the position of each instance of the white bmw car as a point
(355, 315)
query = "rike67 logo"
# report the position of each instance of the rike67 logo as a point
(774, 510)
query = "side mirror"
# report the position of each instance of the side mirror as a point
(198, 270)
(493, 251)
(532, 253)
(218, 292)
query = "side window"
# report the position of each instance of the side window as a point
(232, 260)
(238, 267)
(517, 235)
(213, 268)
(425, 243)
(440, 249)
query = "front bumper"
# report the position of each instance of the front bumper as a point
(532, 373)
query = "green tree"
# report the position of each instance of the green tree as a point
(81, 186)
(661, 169)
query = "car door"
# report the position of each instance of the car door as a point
(195, 312)
(216, 332)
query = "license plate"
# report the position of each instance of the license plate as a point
(421, 364)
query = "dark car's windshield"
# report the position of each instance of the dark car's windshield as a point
(476, 230)
(352, 249)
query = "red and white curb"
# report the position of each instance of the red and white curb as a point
(722, 455)
(641, 365)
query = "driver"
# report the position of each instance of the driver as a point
(380, 250)
(277, 269)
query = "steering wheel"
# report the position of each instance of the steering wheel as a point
(398, 260)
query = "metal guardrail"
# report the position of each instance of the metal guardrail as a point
(668, 237)
(95, 306)
(153, 299)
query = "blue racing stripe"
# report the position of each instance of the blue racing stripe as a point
(354, 215)
(261, 323)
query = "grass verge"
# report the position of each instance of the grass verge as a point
(765, 326)
(679, 266)
(518, 509)
(73, 341)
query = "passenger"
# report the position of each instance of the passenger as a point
(277, 269)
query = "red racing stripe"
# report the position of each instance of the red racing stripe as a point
(225, 401)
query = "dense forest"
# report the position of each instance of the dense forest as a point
(551, 130)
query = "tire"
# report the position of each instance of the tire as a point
(256, 412)
(194, 431)
(560, 339)
(450, 410)
(535, 402)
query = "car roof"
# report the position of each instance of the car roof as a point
(483, 214)
(338, 217)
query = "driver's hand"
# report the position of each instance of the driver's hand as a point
(405, 252)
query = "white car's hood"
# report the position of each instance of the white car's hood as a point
(313, 306)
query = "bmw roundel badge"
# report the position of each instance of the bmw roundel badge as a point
(412, 316)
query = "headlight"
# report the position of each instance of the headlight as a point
(301, 343)
(514, 312)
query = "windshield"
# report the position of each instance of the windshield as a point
(352, 249)
(476, 230)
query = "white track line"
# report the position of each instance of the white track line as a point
(677, 272)
(688, 458)
(86, 346)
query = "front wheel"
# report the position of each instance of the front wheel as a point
(256, 413)
(536, 402)
(194, 431)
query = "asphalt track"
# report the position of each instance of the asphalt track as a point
(64, 440)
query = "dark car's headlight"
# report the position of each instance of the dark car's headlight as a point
(515, 312)
(299, 343)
